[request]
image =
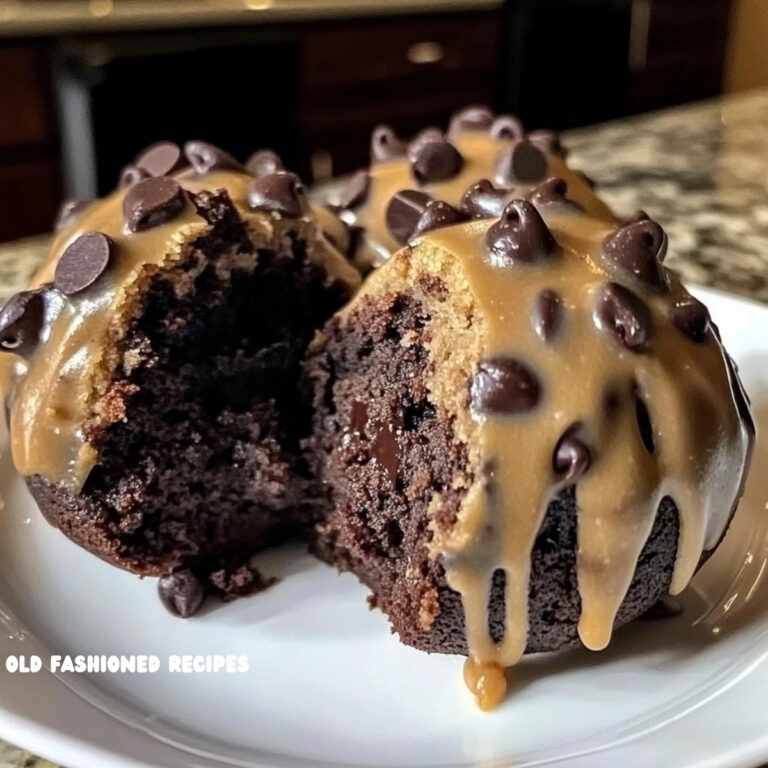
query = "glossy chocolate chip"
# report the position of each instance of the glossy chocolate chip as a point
(152, 202)
(522, 163)
(130, 175)
(82, 262)
(548, 314)
(21, 321)
(434, 159)
(520, 236)
(355, 191)
(281, 193)
(547, 141)
(507, 127)
(474, 118)
(436, 215)
(483, 201)
(205, 157)
(638, 215)
(181, 593)
(554, 191)
(691, 317)
(624, 316)
(504, 385)
(637, 250)
(385, 144)
(69, 211)
(161, 159)
(571, 457)
(263, 162)
(403, 212)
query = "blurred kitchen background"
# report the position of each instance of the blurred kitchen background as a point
(85, 84)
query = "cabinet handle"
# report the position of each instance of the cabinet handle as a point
(638, 34)
(426, 52)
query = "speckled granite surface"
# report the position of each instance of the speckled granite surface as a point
(700, 170)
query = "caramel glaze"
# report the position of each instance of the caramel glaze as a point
(481, 153)
(56, 394)
(662, 415)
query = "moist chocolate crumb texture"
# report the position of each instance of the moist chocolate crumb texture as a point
(150, 370)
(482, 162)
(531, 430)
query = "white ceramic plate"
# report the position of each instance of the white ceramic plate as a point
(328, 685)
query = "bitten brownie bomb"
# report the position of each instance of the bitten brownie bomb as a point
(483, 162)
(502, 389)
(151, 371)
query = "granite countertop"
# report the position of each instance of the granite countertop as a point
(700, 170)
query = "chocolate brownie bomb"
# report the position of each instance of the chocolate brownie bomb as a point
(483, 162)
(151, 375)
(530, 431)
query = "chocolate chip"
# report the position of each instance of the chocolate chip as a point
(355, 191)
(437, 214)
(263, 162)
(181, 593)
(483, 201)
(385, 145)
(638, 250)
(404, 211)
(69, 211)
(206, 157)
(434, 159)
(504, 385)
(624, 315)
(161, 159)
(547, 141)
(522, 163)
(358, 417)
(281, 193)
(385, 450)
(691, 317)
(21, 321)
(507, 127)
(82, 262)
(130, 175)
(152, 202)
(519, 236)
(474, 118)
(554, 191)
(638, 215)
(571, 457)
(548, 314)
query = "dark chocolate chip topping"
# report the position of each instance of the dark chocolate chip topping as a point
(433, 158)
(483, 201)
(436, 215)
(637, 250)
(507, 127)
(21, 321)
(554, 191)
(691, 317)
(152, 202)
(69, 211)
(474, 118)
(638, 215)
(504, 385)
(547, 141)
(82, 262)
(263, 162)
(548, 311)
(355, 191)
(280, 192)
(522, 163)
(520, 236)
(131, 174)
(161, 159)
(571, 457)
(181, 593)
(404, 211)
(205, 157)
(625, 316)
(385, 144)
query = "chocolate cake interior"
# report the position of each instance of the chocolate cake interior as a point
(205, 468)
